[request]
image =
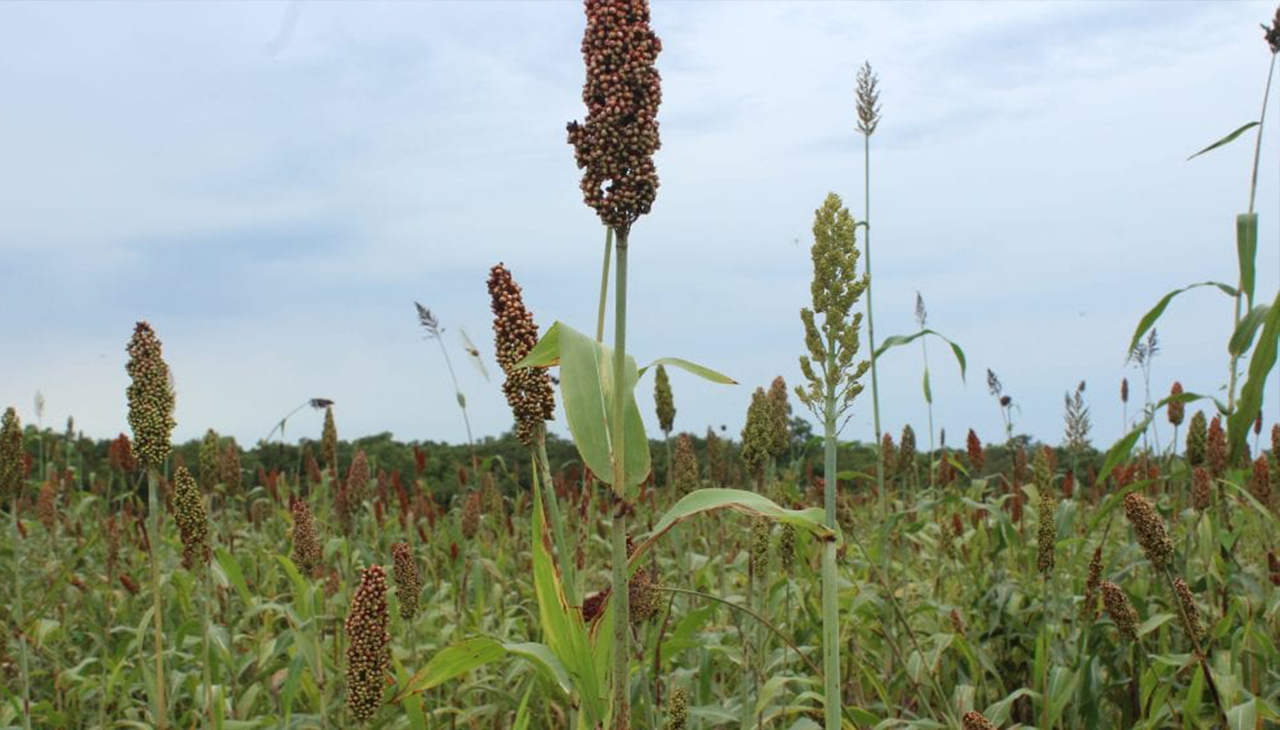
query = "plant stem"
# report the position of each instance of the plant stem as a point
(153, 504)
(621, 602)
(462, 403)
(871, 328)
(1195, 643)
(557, 521)
(18, 611)
(830, 605)
(204, 669)
(604, 283)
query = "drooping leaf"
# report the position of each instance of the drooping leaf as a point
(701, 371)
(1242, 338)
(1247, 251)
(455, 661)
(1149, 319)
(899, 340)
(1225, 140)
(1250, 402)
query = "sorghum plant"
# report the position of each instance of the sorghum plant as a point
(368, 647)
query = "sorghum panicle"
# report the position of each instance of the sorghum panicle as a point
(779, 441)
(1190, 614)
(760, 546)
(1176, 408)
(408, 581)
(192, 518)
(1120, 610)
(231, 474)
(907, 450)
(1201, 492)
(976, 721)
(957, 623)
(1046, 542)
(787, 548)
(678, 709)
(977, 456)
(329, 441)
(868, 98)
(1260, 481)
(471, 515)
(755, 434)
(1089, 609)
(614, 146)
(150, 395)
(1149, 529)
(888, 455)
(13, 466)
(210, 466)
(685, 466)
(1197, 437)
(120, 455)
(528, 390)
(307, 552)
(663, 401)
(47, 506)
(1216, 448)
(368, 652)
(358, 480)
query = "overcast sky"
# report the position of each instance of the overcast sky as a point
(273, 185)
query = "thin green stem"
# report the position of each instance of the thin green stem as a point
(153, 540)
(830, 604)
(563, 553)
(604, 283)
(871, 327)
(205, 671)
(621, 602)
(18, 611)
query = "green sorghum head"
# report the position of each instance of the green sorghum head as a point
(760, 528)
(528, 390)
(1197, 435)
(787, 547)
(307, 552)
(755, 434)
(1120, 610)
(329, 442)
(1046, 541)
(150, 395)
(685, 467)
(1149, 529)
(779, 419)
(192, 518)
(715, 458)
(368, 654)
(678, 709)
(1190, 615)
(210, 466)
(408, 581)
(663, 401)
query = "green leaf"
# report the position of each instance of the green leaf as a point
(455, 661)
(1242, 338)
(899, 340)
(586, 390)
(1250, 402)
(1243, 716)
(1225, 140)
(739, 500)
(1247, 251)
(705, 373)
(231, 569)
(1149, 319)
(1154, 623)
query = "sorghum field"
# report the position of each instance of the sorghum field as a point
(772, 577)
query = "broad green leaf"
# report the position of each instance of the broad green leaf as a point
(707, 500)
(705, 373)
(1250, 402)
(455, 661)
(1149, 319)
(230, 568)
(1225, 140)
(899, 340)
(1242, 338)
(546, 352)
(1154, 623)
(1243, 716)
(1247, 251)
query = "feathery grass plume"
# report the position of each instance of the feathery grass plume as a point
(663, 401)
(977, 455)
(528, 390)
(1076, 416)
(787, 548)
(1201, 492)
(1120, 610)
(678, 709)
(1190, 614)
(615, 145)
(329, 442)
(368, 642)
(715, 458)
(1089, 607)
(755, 434)
(760, 545)
(868, 98)
(907, 450)
(210, 467)
(408, 581)
(779, 419)
(1197, 437)
(1215, 453)
(1272, 33)
(1149, 529)
(47, 506)
(686, 465)
(13, 464)
(1260, 481)
(1047, 538)
(307, 552)
(1176, 408)
(150, 395)
(357, 483)
(231, 473)
(471, 515)
(192, 519)
(976, 721)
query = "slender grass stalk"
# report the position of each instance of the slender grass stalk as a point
(20, 615)
(206, 672)
(621, 602)
(604, 283)
(830, 605)
(871, 328)
(153, 504)
(563, 553)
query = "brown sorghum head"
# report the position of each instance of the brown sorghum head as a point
(1272, 33)
(1190, 615)
(976, 721)
(13, 462)
(230, 471)
(120, 455)
(1176, 409)
(1047, 540)
(193, 520)
(368, 641)
(1197, 436)
(47, 505)
(957, 623)
(150, 396)
(528, 390)
(977, 456)
(1260, 481)
(1201, 492)
(357, 485)
(685, 465)
(306, 545)
(329, 441)
(663, 401)
(1149, 529)
(1120, 610)
(678, 709)
(1124, 390)
(408, 582)
(614, 146)
(1091, 584)
(888, 454)
(907, 450)
(1216, 448)
(471, 515)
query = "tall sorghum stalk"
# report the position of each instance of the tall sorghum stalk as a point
(529, 395)
(832, 386)
(868, 97)
(193, 527)
(151, 401)
(12, 479)
(614, 147)
(922, 318)
(431, 324)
